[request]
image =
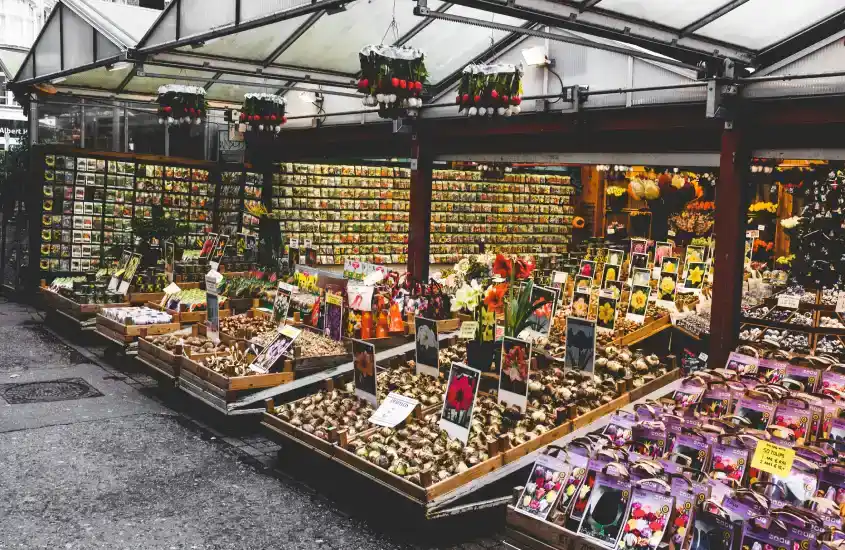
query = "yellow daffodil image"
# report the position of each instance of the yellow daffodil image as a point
(670, 267)
(695, 275)
(488, 324)
(693, 256)
(611, 274)
(667, 286)
(583, 284)
(579, 308)
(606, 313)
(639, 300)
(615, 290)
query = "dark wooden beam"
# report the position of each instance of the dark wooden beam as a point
(419, 234)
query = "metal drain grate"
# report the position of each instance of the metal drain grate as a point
(65, 389)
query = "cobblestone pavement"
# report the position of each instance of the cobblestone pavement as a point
(143, 467)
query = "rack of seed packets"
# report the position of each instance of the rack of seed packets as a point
(747, 457)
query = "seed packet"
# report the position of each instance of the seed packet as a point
(650, 440)
(794, 419)
(712, 532)
(807, 376)
(770, 371)
(739, 508)
(572, 485)
(693, 447)
(833, 383)
(685, 505)
(582, 498)
(647, 520)
(758, 413)
(756, 537)
(620, 429)
(543, 486)
(741, 364)
(604, 514)
(797, 488)
(832, 486)
(715, 402)
(727, 462)
(689, 393)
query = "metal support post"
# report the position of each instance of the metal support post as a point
(729, 231)
(420, 219)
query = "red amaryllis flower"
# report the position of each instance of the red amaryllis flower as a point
(495, 298)
(502, 266)
(459, 396)
(524, 268)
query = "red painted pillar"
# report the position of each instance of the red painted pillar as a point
(419, 234)
(729, 229)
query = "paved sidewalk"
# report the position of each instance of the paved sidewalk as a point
(123, 464)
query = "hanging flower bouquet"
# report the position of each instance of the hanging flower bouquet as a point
(392, 78)
(263, 112)
(488, 90)
(179, 104)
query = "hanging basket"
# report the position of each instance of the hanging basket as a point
(392, 78)
(179, 104)
(488, 90)
(262, 113)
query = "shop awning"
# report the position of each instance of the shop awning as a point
(233, 47)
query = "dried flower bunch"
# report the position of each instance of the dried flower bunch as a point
(325, 410)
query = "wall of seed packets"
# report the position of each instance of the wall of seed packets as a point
(345, 210)
(513, 213)
(88, 205)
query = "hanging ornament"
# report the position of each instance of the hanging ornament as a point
(392, 78)
(263, 111)
(180, 103)
(490, 89)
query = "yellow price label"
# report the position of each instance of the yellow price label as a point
(334, 299)
(773, 459)
(468, 330)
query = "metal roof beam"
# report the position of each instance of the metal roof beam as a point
(500, 46)
(236, 27)
(125, 82)
(294, 36)
(712, 16)
(211, 82)
(257, 63)
(803, 39)
(251, 74)
(247, 84)
(589, 4)
(405, 38)
(566, 14)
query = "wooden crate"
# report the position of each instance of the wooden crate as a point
(141, 298)
(192, 317)
(130, 332)
(236, 383)
(278, 426)
(443, 326)
(646, 331)
(534, 534)
(654, 385)
(159, 358)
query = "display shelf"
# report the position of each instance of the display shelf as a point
(499, 209)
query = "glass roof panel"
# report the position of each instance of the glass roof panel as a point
(97, 78)
(149, 85)
(671, 13)
(256, 44)
(761, 23)
(12, 59)
(334, 41)
(132, 20)
(235, 93)
(450, 46)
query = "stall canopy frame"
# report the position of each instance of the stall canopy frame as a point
(232, 47)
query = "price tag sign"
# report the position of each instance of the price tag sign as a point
(468, 330)
(307, 243)
(334, 299)
(169, 291)
(703, 356)
(752, 233)
(393, 410)
(840, 303)
(773, 459)
(761, 227)
(671, 232)
(789, 301)
(294, 243)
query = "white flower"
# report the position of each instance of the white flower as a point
(467, 297)
(789, 223)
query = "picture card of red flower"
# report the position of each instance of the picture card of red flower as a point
(461, 390)
(364, 363)
(513, 372)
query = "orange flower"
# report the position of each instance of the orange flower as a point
(524, 268)
(502, 266)
(495, 298)
(578, 222)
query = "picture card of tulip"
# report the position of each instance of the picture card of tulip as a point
(696, 272)
(459, 402)
(364, 363)
(695, 254)
(667, 286)
(615, 256)
(606, 319)
(615, 288)
(647, 520)
(543, 487)
(669, 264)
(640, 277)
(580, 344)
(639, 261)
(662, 249)
(638, 303)
(427, 347)
(581, 305)
(539, 322)
(583, 284)
(639, 246)
(514, 367)
(610, 273)
(587, 269)
(604, 516)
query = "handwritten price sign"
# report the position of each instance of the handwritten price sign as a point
(773, 459)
